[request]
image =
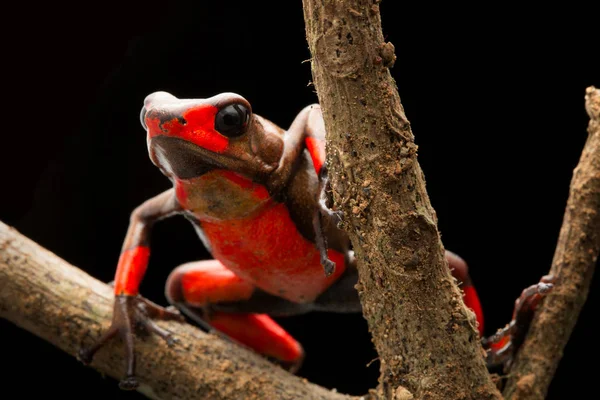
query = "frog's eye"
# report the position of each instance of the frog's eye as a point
(232, 120)
(143, 118)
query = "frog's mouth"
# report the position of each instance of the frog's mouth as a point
(186, 160)
(181, 158)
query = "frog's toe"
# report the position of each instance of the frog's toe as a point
(328, 267)
(129, 383)
(152, 327)
(154, 311)
(86, 354)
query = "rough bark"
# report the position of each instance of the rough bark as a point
(426, 338)
(59, 303)
(573, 264)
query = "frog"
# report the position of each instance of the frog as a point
(258, 197)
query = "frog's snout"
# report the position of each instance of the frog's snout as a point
(155, 101)
(158, 98)
(143, 118)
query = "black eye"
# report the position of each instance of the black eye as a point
(232, 120)
(143, 118)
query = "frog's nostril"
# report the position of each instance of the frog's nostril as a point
(143, 118)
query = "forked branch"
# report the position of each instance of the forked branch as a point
(573, 265)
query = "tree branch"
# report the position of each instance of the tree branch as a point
(425, 336)
(573, 265)
(63, 305)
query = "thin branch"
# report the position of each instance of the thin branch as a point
(426, 338)
(61, 304)
(573, 265)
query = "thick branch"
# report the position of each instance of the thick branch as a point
(63, 305)
(573, 265)
(424, 334)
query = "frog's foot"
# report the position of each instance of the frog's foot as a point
(132, 312)
(502, 346)
(321, 244)
(323, 216)
(327, 264)
(291, 366)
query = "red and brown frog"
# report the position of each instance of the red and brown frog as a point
(256, 195)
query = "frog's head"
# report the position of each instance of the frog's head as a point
(189, 137)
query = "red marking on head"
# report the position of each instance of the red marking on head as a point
(472, 301)
(198, 129)
(259, 332)
(130, 270)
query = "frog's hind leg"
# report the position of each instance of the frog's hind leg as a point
(460, 270)
(198, 288)
(503, 346)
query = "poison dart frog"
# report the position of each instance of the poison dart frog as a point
(256, 196)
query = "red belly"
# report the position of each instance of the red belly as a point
(267, 250)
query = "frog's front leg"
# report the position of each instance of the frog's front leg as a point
(130, 309)
(308, 132)
(502, 346)
(322, 213)
(294, 143)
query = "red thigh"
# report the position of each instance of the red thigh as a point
(202, 283)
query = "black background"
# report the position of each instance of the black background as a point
(495, 98)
